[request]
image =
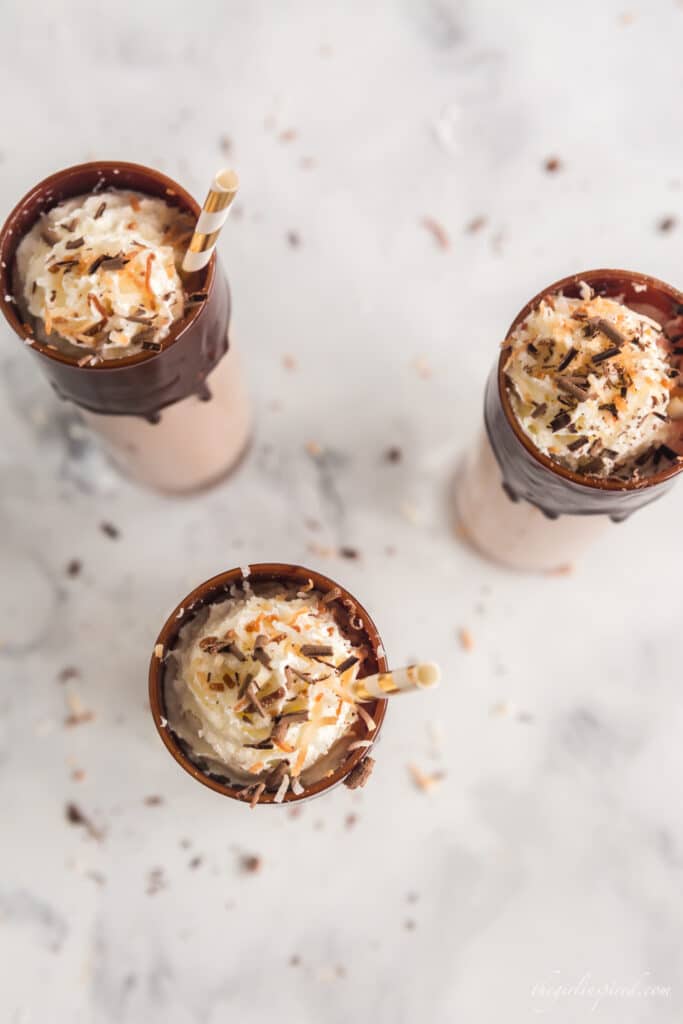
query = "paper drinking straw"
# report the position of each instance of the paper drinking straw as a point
(401, 680)
(212, 218)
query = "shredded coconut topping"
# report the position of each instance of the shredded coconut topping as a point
(590, 383)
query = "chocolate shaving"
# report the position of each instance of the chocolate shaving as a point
(539, 411)
(244, 686)
(252, 691)
(564, 384)
(357, 778)
(561, 420)
(570, 356)
(217, 686)
(151, 346)
(611, 408)
(293, 717)
(311, 650)
(49, 236)
(666, 452)
(259, 653)
(610, 331)
(266, 744)
(274, 697)
(531, 349)
(112, 263)
(608, 353)
(99, 211)
(579, 443)
(645, 457)
(63, 265)
(233, 649)
(139, 318)
(75, 243)
(207, 642)
(346, 664)
(593, 467)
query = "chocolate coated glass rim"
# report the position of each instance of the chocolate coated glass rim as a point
(218, 588)
(535, 477)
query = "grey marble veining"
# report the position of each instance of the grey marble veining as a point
(549, 856)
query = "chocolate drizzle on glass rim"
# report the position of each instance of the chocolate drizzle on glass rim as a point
(346, 761)
(145, 383)
(529, 474)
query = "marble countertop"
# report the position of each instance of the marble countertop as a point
(542, 873)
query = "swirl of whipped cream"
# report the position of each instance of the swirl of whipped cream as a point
(99, 273)
(590, 382)
(258, 683)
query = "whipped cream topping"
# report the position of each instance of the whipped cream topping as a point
(258, 686)
(590, 382)
(99, 274)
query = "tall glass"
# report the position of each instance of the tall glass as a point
(520, 508)
(178, 419)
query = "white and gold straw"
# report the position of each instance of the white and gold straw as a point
(401, 680)
(212, 218)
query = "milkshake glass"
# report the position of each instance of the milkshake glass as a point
(173, 416)
(260, 712)
(523, 509)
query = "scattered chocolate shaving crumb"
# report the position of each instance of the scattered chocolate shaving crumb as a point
(438, 232)
(295, 959)
(359, 775)
(225, 144)
(154, 801)
(294, 239)
(409, 925)
(155, 881)
(311, 650)
(466, 639)
(109, 530)
(75, 816)
(347, 552)
(195, 862)
(67, 673)
(552, 164)
(74, 567)
(99, 211)
(75, 243)
(350, 820)
(666, 224)
(250, 863)
(288, 135)
(289, 362)
(393, 454)
(475, 225)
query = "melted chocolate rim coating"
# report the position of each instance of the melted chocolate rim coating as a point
(218, 588)
(625, 495)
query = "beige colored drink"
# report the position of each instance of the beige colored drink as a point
(582, 420)
(92, 281)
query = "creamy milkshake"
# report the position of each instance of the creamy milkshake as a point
(92, 282)
(252, 685)
(582, 420)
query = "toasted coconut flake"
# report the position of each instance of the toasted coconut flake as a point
(296, 787)
(423, 781)
(369, 721)
(357, 744)
(159, 651)
(284, 786)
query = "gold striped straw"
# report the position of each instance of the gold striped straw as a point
(401, 680)
(212, 218)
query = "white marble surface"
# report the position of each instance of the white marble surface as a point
(552, 851)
